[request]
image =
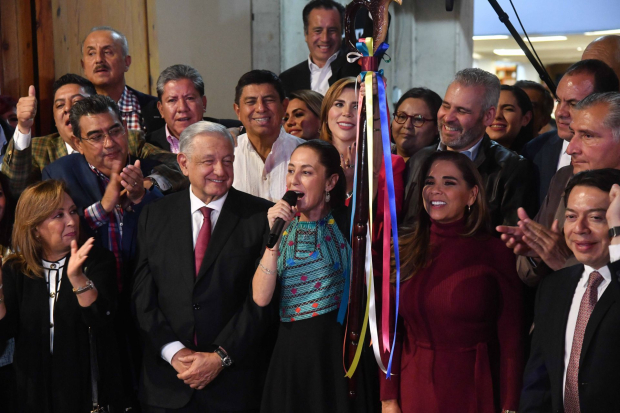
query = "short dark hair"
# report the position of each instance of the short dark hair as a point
(178, 72)
(92, 105)
(329, 157)
(73, 79)
(259, 77)
(605, 79)
(322, 4)
(547, 98)
(432, 99)
(602, 179)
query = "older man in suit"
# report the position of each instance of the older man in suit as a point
(27, 156)
(574, 361)
(198, 251)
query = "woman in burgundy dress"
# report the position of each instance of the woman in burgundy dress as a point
(459, 345)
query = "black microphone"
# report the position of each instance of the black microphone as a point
(290, 197)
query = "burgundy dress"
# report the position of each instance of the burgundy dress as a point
(459, 348)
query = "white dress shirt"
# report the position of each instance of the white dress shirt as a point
(471, 153)
(53, 277)
(264, 179)
(319, 76)
(22, 141)
(574, 310)
(564, 157)
(169, 350)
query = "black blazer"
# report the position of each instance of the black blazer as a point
(544, 152)
(151, 119)
(84, 189)
(507, 178)
(171, 304)
(298, 76)
(65, 376)
(599, 365)
(158, 137)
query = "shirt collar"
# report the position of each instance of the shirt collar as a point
(57, 264)
(604, 271)
(314, 67)
(128, 102)
(196, 203)
(471, 153)
(70, 149)
(168, 134)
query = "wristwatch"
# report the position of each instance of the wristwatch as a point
(226, 360)
(614, 232)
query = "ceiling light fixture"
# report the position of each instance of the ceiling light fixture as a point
(602, 32)
(546, 39)
(491, 37)
(509, 52)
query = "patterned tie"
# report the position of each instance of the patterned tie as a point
(203, 238)
(590, 297)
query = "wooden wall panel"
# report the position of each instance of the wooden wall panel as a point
(44, 63)
(17, 53)
(73, 19)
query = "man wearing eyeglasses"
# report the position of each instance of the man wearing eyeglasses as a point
(26, 156)
(468, 107)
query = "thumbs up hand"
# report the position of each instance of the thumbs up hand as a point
(26, 111)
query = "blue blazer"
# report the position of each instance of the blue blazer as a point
(84, 189)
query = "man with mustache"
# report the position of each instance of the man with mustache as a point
(468, 108)
(105, 59)
(548, 151)
(26, 156)
(326, 63)
(263, 152)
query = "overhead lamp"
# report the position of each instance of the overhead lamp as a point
(602, 32)
(546, 39)
(491, 37)
(476, 56)
(509, 52)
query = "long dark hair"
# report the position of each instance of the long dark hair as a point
(526, 133)
(414, 241)
(329, 157)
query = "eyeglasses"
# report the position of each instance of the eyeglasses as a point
(113, 133)
(417, 120)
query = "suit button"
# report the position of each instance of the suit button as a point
(196, 306)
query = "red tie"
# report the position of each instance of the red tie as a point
(590, 297)
(203, 238)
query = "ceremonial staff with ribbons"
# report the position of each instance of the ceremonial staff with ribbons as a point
(369, 51)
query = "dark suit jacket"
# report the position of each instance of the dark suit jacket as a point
(151, 119)
(298, 76)
(65, 377)
(84, 189)
(507, 177)
(544, 152)
(552, 208)
(158, 137)
(599, 364)
(172, 304)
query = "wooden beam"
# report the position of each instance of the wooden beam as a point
(45, 63)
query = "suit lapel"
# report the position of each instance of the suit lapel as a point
(610, 296)
(226, 223)
(58, 149)
(552, 153)
(183, 249)
(87, 179)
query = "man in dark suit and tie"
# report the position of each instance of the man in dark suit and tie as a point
(574, 362)
(326, 63)
(204, 336)
(548, 151)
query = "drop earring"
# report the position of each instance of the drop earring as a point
(328, 196)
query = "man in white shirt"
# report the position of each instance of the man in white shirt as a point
(326, 63)
(263, 152)
(205, 347)
(574, 362)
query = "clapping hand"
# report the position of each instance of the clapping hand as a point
(78, 257)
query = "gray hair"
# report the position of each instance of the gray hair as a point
(124, 44)
(177, 72)
(186, 140)
(473, 77)
(612, 100)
